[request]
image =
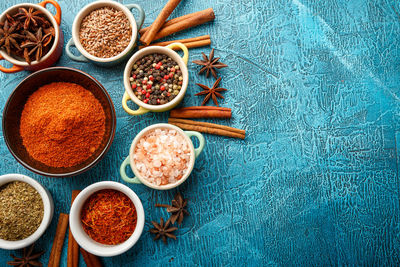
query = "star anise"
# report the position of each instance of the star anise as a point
(36, 43)
(50, 30)
(28, 259)
(9, 36)
(177, 209)
(12, 21)
(30, 15)
(210, 64)
(212, 92)
(163, 230)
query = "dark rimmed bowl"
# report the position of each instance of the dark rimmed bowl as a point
(15, 104)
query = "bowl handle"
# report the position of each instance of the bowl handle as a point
(57, 16)
(139, 111)
(202, 141)
(139, 22)
(13, 69)
(80, 58)
(184, 49)
(125, 177)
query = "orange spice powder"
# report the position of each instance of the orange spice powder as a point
(62, 124)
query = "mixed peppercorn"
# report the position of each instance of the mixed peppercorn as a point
(156, 79)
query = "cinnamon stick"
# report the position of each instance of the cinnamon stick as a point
(73, 247)
(157, 24)
(90, 259)
(189, 42)
(206, 127)
(195, 44)
(58, 242)
(201, 112)
(175, 20)
(196, 19)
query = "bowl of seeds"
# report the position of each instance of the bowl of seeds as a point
(30, 36)
(155, 79)
(105, 33)
(26, 209)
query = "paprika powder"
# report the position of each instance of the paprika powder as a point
(62, 124)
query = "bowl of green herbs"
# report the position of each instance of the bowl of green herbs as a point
(26, 209)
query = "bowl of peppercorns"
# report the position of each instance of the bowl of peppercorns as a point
(156, 79)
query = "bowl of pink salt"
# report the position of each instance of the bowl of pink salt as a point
(162, 156)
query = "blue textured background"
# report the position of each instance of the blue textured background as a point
(316, 182)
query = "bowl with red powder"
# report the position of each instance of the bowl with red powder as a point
(107, 218)
(59, 122)
(162, 156)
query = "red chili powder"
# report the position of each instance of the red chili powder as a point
(109, 217)
(62, 124)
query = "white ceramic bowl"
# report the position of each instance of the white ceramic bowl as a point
(88, 243)
(105, 62)
(47, 215)
(195, 152)
(130, 95)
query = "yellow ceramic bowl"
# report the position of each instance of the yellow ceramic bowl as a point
(129, 94)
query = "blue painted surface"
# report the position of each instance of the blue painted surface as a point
(316, 86)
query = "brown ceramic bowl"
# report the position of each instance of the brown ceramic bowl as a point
(15, 104)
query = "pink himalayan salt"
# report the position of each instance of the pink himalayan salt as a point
(162, 156)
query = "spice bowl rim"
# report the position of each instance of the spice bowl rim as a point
(191, 163)
(160, 50)
(91, 7)
(54, 23)
(70, 173)
(89, 244)
(48, 210)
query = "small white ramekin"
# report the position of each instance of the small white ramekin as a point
(111, 61)
(47, 214)
(88, 243)
(138, 179)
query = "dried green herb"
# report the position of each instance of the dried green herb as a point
(21, 209)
